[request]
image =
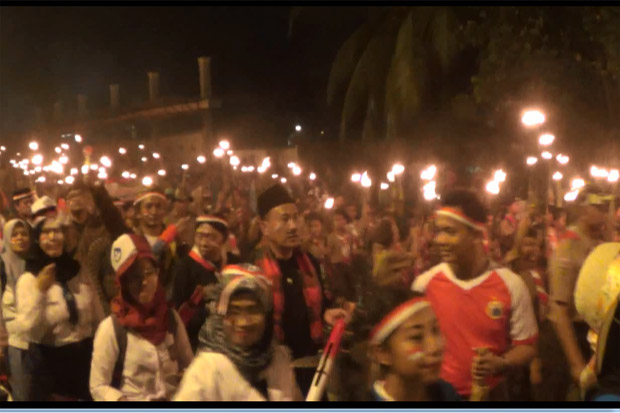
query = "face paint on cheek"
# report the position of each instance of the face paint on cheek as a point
(415, 354)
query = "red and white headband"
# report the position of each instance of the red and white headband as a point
(19, 197)
(148, 194)
(460, 217)
(210, 219)
(395, 318)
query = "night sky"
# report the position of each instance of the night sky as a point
(267, 80)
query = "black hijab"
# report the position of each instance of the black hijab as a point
(66, 266)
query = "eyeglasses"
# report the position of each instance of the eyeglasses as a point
(200, 236)
(48, 232)
(136, 277)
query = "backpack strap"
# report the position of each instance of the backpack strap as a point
(121, 339)
(172, 322)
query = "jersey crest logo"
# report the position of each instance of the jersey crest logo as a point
(495, 309)
(116, 254)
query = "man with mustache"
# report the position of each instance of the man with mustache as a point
(299, 296)
(479, 305)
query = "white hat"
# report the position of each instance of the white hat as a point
(126, 249)
(42, 205)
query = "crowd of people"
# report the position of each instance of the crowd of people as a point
(180, 295)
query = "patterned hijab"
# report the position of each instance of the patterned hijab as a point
(250, 362)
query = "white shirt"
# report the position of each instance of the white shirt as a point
(43, 317)
(213, 377)
(149, 372)
(17, 337)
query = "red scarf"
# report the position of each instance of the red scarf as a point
(150, 321)
(311, 289)
(195, 255)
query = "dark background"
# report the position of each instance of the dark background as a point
(267, 80)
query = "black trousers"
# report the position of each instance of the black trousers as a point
(556, 378)
(62, 371)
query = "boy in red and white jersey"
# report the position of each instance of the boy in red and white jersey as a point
(479, 304)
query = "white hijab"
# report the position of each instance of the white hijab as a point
(14, 265)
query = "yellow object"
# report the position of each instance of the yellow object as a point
(598, 283)
(479, 388)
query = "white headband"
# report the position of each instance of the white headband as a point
(148, 194)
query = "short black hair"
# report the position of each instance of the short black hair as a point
(341, 211)
(533, 231)
(314, 216)
(468, 201)
(382, 233)
(556, 212)
(378, 302)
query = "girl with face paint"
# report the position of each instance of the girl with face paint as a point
(404, 347)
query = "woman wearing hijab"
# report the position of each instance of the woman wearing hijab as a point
(54, 311)
(239, 360)
(141, 349)
(15, 249)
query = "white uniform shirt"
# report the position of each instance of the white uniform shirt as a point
(44, 316)
(149, 372)
(213, 377)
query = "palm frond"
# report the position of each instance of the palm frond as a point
(405, 77)
(368, 78)
(443, 39)
(345, 63)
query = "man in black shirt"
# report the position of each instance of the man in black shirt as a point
(299, 297)
(197, 274)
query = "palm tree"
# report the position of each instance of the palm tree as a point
(391, 67)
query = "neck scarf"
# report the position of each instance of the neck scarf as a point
(311, 290)
(66, 266)
(66, 269)
(14, 265)
(250, 362)
(149, 321)
(195, 255)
